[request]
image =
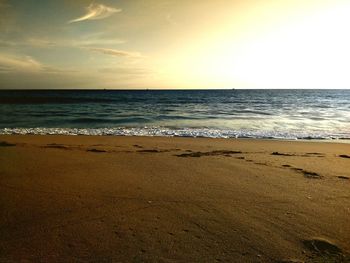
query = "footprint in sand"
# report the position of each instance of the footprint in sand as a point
(148, 151)
(290, 261)
(296, 169)
(311, 175)
(299, 155)
(96, 150)
(325, 251)
(307, 174)
(56, 146)
(282, 154)
(6, 144)
(212, 153)
(315, 154)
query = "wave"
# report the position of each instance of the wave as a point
(178, 132)
(108, 120)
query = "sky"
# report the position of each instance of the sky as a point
(177, 44)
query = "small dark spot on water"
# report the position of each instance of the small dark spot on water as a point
(343, 177)
(344, 156)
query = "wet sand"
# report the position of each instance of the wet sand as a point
(139, 199)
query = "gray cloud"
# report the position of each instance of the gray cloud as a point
(96, 12)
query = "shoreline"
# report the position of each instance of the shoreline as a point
(332, 141)
(164, 131)
(173, 199)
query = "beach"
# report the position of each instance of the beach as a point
(161, 199)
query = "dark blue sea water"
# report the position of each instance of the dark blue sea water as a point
(288, 114)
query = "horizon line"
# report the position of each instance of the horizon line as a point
(163, 89)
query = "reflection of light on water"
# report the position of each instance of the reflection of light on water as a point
(240, 113)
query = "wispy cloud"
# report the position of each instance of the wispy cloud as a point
(96, 39)
(63, 42)
(95, 12)
(22, 64)
(37, 42)
(26, 64)
(117, 53)
(5, 69)
(126, 71)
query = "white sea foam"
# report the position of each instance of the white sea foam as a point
(178, 132)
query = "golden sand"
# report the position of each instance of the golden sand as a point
(139, 199)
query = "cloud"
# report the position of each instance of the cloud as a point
(117, 53)
(28, 42)
(47, 43)
(5, 69)
(37, 42)
(21, 64)
(95, 39)
(95, 12)
(126, 71)
(26, 64)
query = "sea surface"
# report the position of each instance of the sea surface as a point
(280, 114)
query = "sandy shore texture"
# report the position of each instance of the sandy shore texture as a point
(137, 199)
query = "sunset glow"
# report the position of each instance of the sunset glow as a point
(175, 44)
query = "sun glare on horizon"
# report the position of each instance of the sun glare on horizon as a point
(308, 52)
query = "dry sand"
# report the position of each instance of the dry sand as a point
(136, 199)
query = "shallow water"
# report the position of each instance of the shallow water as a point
(283, 114)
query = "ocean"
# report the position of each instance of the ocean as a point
(269, 114)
